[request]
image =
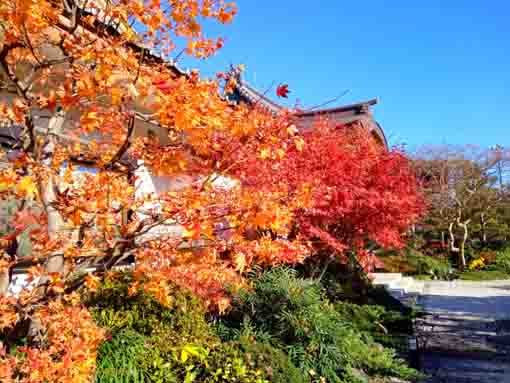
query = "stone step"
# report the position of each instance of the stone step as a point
(464, 334)
(385, 279)
(397, 284)
(403, 283)
(418, 287)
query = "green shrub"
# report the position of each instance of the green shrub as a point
(230, 363)
(132, 358)
(183, 322)
(320, 340)
(364, 318)
(282, 330)
(275, 362)
(436, 266)
(502, 262)
(158, 344)
(149, 342)
(120, 360)
(389, 328)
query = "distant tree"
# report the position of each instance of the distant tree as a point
(463, 190)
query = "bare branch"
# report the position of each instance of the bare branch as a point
(125, 145)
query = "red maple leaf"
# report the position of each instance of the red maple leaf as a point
(282, 90)
(369, 261)
(23, 219)
(162, 84)
(355, 195)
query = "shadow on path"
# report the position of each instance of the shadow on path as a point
(464, 336)
(489, 307)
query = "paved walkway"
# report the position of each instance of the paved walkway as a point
(490, 300)
(464, 335)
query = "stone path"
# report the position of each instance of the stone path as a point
(464, 336)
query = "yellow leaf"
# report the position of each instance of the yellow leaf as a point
(116, 96)
(184, 356)
(291, 130)
(240, 262)
(223, 304)
(300, 143)
(192, 46)
(265, 153)
(133, 91)
(192, 231)
(27, 186)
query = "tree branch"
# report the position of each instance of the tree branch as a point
(5, 66)
(126, 144)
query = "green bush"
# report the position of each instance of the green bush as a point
(389, 328)
(282, 330)
(158, 344)
(149, 342)
(294, 315)
(365, 318)
(133, 358)
(275, 362)
(434, 266)
(114, 308)
(502, 262)
(120, 359)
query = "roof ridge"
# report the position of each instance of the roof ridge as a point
(255, 95)
(340, 108)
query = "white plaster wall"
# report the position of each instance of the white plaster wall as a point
(147, 184)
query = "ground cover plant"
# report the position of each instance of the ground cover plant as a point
(304, 338)
(325, 340)
(150, 342)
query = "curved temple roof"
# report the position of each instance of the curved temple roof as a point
(346, 114)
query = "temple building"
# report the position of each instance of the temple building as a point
(354, 114)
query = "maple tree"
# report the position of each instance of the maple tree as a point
(87, 84)
(360, 193)
(82, 89)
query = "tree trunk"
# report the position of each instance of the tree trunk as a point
(452, 246)
(5, 281)
(9, 255)
(462, 252)
(55, 263)
(483, 229)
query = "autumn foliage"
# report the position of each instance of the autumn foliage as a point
(360, 193)
(82, 90)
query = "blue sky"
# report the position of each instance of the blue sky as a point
(440, 68)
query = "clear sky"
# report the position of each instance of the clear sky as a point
(440, 68)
